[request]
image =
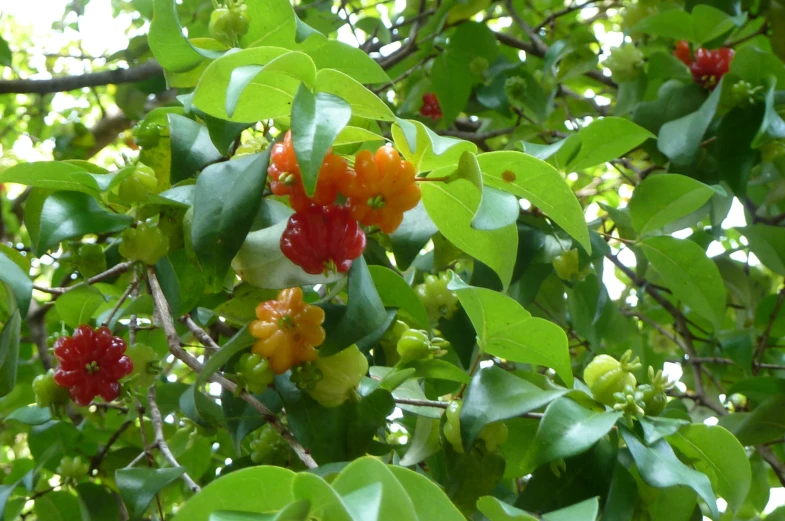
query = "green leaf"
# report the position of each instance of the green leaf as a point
(364, 103)
(272, 23)
(181, 281)
(424, 442)
(428, 499)
(495, 394)
(227, 198)
(655, 427)
(410, 237)
(405, 388)
(396, 503)
(497, 510)
(351, 135)
(497, 209)
(681, 139)
(755, 65)
(693, 277)
(192, 148)
(660, 468)
(505, 329)
(31, 415)
(607, 139)
(255, 489)
(240, 341)
(768, 244)
(354, 62)
(6, 58)
(316, 122)
(223, 134)
(57, 506)
(172, 50)
(452, 208)
(364, 503)
(9, 352)
(138, 486)
(325, 502)
(72, 214)
(98, 503)
(719, 455)
(364, 314)
(664, 198)
(764, 424)
(567, 429)
(242, 418)
(673, 23)
(583, 511)
(18, 281)
(77, 306)
(425, 149)
(295, 64)
(541, 184)
(438, 370)
(229, 515)
(709, 23)
(54, 175)
(395, 292)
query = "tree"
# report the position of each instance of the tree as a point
(488, 260)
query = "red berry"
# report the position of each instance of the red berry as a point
(711, 65)
(323, 238)
(90, 364)
(683, 52)
(430, 106)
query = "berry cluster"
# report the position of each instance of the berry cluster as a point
(430, 107)
(91, 363)
(709, 66)
(322, 236)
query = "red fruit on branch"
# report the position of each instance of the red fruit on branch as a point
(430, 106)
(285, 176)
(683, 52)
(711, 65)
(91, 363)
(320, 239)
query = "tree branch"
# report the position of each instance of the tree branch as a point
(141, 72)
(115, 270)
(160, 440)
(173, 340)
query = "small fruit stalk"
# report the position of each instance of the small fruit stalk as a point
(492, 435)
(91, 363)
(439, 301)
(605, 376)
(323, 239)
(382, 189)
(230, 22)
(287, 330)
(332, 380)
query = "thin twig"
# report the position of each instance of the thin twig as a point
(115, 270)
(763, 342)
(160, 440)
(131, 287)
(173, 340)
(96, 462)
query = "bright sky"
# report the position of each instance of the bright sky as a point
(102, 34)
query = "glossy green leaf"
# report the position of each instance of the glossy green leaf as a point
(425, 149)
(424, 441)
(364, 103)
(354, 62)
(672, 23)
(98, 503)
(764, 424)
(172, 50)
(662, 199)
(755, 65)
(681, 139)
(9, 352)
(72, 214)
(256, 489)
(768, 244)
(227, 198)
(438, 370)
(505, 329)
(494, 394)
(78, 305)
(567, 429)
(272, 23)
(325, 502)
(53, 175)
(655, 427)
(719, 455)
(31, 415)
(395, 292)
(396, 503)
(57, 506)
(497, 510)
(18, 281)
(607, 139)
(240, 341)
(138, 486)
(364, 314)
(428, 499)
(316, 122)
(497, 209)
(693, 277)
(660, 468)
(583, 511)
(192, 148)
(452, 208)
(410, 237)
(541, 184)
(228, 515)
(182, 281)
